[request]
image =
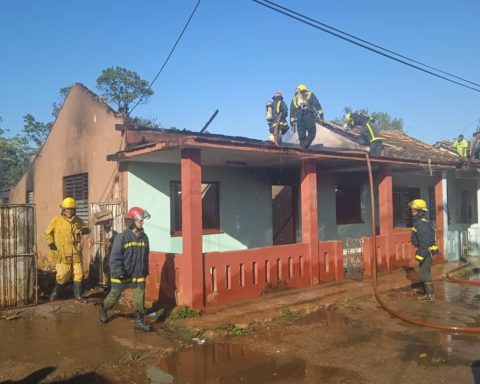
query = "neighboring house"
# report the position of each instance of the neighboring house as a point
(233, 216)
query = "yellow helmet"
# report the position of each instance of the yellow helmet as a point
(418, 204)
(302, 87)
(69, 202)
(348, 116)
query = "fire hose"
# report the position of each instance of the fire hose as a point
(398, 314)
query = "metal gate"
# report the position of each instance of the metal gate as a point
(18, 272)
(353, 259)
(102, 238)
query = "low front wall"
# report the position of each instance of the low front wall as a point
(330, 260)
(163, 279)
(394, 251)
(237, 275)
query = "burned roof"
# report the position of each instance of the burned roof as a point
(398, 146)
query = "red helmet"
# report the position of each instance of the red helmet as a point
(277, 94)
(137, 213)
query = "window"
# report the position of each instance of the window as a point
(76, 186)
(431, 204)
(210, 207)
(29, 198)
(348, 204)
(466, 211)
(402, 195)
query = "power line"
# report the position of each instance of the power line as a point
(303, 19)
(170, 54)
(369, 43)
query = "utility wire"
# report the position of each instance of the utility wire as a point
(303, 19)
(170, 54)
(369, 43)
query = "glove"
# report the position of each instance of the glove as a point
(85, 231)
(52, 246)
(292, 124)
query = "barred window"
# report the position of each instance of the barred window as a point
(76, 186)
(29, 197)
(402, 195)
(431, 204)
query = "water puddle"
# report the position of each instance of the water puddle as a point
(233, 363)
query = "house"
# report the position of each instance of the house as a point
(233, 216)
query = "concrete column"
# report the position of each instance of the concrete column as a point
(192, 274)
(309, 211)
(385, 201)
(440, 202)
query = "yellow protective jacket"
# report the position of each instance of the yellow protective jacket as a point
(65, 233)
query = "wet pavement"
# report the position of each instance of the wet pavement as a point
(333, 333)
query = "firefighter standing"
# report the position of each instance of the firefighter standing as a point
(129, 267)
(369, 134)
(64, 240)
(305, 111)
(423, 238)
(461, 146)
(277, 113)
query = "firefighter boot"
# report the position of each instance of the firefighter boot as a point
(139, 323)
(102, 312)
(421, 289)
(77, 292)
(428, 296)
(55, 292)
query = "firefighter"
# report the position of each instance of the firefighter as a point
(461, 146)
(369, 134)
(278, 112)
(129, 267)
(305, 111)
(423, 238)
(64, 240)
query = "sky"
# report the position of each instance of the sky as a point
(235, 54)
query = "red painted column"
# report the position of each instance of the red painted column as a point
(440, 214)
(192, 285)
(385, 201)
(308, 194)
(385, 212)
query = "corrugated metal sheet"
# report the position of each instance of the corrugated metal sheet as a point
(18, 277)
(102, 240)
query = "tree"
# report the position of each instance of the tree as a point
(141, 122)
(382, 120)
(57, 106)
(122, 87)
(13, 157)
(35, 132)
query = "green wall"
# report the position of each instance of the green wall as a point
(245, 206)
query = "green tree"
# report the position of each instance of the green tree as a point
(14, 155)
(140, 122)
(35, 132)
(382, 120)
(56, 106)
(123, 87)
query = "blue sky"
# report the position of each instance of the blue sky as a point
(236, 54)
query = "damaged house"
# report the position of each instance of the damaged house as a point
(232, 217)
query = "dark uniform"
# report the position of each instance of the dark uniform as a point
(279, 106)
(305, 113)
(369, 134)
(423, 238)
(128, 269)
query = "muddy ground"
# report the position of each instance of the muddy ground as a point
(334, 333)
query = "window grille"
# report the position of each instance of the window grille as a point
(76, 186)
